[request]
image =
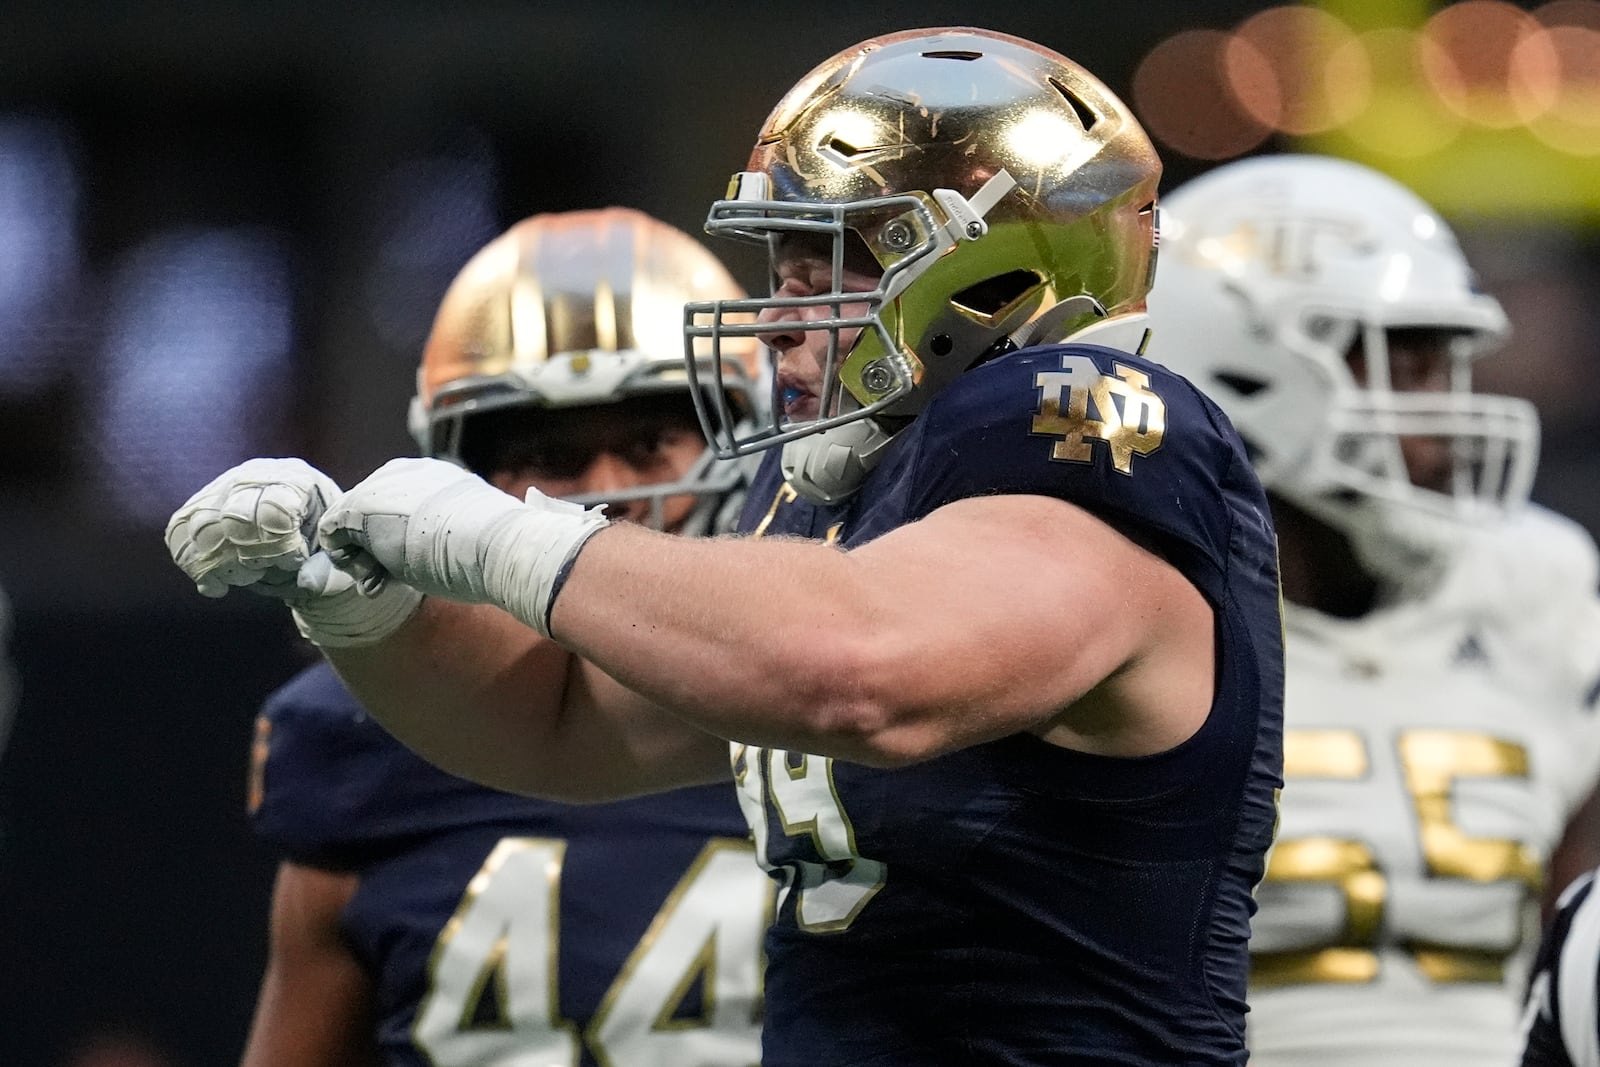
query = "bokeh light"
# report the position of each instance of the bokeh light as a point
(39, 250)
(1320, 77)
(1402, 118)
(1183, 95)
(1491, 63)
(195, 370)
(1572, 123)
(1457, 78)
(434, 212)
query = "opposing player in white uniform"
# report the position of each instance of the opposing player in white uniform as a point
(1443, 636)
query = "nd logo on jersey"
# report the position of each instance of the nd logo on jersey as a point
(1128, 417)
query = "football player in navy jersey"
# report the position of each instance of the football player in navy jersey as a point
(419, 919)
(999, 666)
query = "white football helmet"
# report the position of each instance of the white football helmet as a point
(573, 310)
(1274, 271)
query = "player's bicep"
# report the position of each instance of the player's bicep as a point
(1033, 602)
(315, 1005)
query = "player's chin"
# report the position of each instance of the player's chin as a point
(1429, 463)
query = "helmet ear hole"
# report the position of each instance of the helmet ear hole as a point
(1246, 385)
(992, 299)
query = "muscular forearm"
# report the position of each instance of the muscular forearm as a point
(984, 618)
(750, 640)
(958, 629)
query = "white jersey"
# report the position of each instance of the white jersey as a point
(1433, 753)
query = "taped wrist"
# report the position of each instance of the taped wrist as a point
(529, 552)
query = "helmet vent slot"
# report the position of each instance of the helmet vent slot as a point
(994, 297)
(1243, 384)
(1085, 113)
(839, 146)
(953, 54)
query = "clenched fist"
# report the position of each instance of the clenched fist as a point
(255, 527)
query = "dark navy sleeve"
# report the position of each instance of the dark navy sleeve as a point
(334, 789)
(772, 507)
(1126, 439)
(1559, 1017)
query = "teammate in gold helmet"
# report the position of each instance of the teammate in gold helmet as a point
(556, 353)
(554, 363)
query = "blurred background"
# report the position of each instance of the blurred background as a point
(223, 233)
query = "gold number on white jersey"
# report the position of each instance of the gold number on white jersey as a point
(493, 995)
(1431, 761)
(806, 802)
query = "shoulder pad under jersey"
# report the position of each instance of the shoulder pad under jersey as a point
(1538, 571)
(1122, 437)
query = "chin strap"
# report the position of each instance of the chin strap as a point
(1127, 333)
(828, 467)
(1046, 328)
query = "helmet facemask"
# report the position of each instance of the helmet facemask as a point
(1356, 477)
(465, 414)
(880, 370)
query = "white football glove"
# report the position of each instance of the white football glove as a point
(254, 527)
(449, 533)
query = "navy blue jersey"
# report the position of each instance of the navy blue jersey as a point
(1017, 903)
(1561, 1020)
(501, 929)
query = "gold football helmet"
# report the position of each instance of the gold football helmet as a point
(577, 309)
(1007, 195)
